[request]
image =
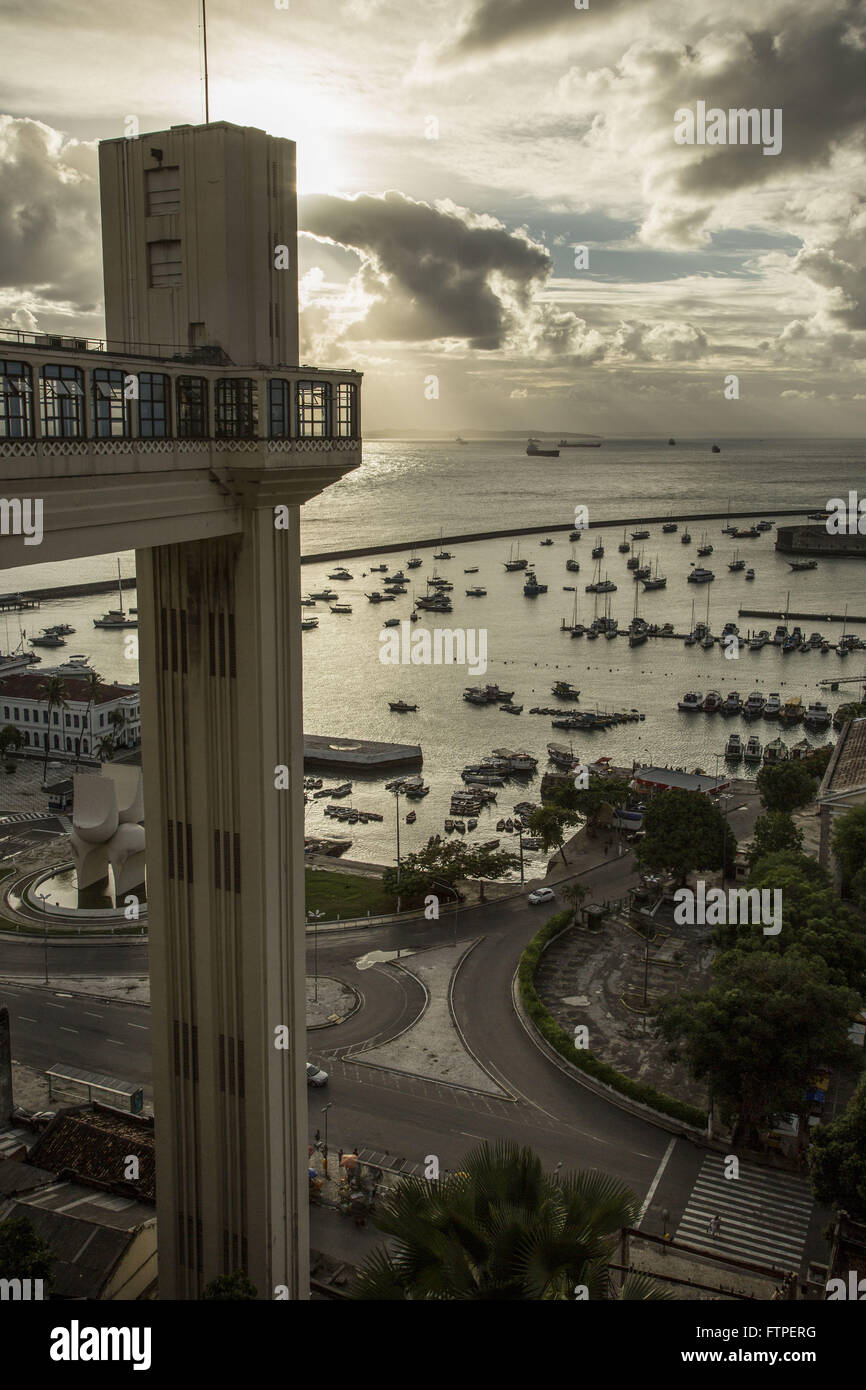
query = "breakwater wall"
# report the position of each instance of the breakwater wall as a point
(512, 532)
(104, 586)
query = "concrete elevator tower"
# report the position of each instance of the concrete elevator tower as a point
(193, 437)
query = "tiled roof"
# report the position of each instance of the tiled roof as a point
(93, 1142)
(17, 1176)
(85, 1253)
(847, 767)
(27, 685)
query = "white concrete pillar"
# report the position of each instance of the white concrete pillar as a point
(221, 707)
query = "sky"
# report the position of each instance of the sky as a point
(453, 159)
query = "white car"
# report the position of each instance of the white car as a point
(542, 895)
(315, 1076)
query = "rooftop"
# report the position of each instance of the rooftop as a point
(685, 781)
(26, 685)
(93, 1141)
(846, 770)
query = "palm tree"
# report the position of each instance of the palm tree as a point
(574, 894)
(54, 690)
(501, 1228)
(105, 748)
(117, 720)
(549, 825)
(93, 682)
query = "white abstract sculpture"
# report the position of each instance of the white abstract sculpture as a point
(106, 829)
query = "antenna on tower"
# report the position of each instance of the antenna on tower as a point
(204, 43)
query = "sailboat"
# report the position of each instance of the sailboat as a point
(708, 640)
(637, 632)
(574, 627)
(691, 636)
(116, 617)
(16, 659)
(658, 581)
(513, 563)
(414, 561)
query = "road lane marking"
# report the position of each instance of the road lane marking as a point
(22, 1018)
(49, 1005)
(67, 1030)
(101, 1017)
(656, 1180)
(115, 1041)
(143, 1026)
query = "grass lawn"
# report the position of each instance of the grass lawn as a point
(345, 895)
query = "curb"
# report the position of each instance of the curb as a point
(507, 1094)
(335, 1022)
(74, 993)
(598, 1088)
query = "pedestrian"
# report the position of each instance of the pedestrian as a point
(317, 1136)
(715, 1227)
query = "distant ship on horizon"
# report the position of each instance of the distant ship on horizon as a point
(580, 443)
(534, 449)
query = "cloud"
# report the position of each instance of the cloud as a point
(430, 273)
(492, 24)
(50, 265)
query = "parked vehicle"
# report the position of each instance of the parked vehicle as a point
(542, 895)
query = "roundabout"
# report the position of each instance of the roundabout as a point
(47, 901)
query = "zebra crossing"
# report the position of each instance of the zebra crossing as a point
(764, 1214)
(19, 817)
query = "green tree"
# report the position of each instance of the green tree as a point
(853, 710)
(10, 740)
(685, 831)
(105, 748)
(549, 825)
(23, 1254)
(759, 1032)
(117, 720)
(575, 895)
(848, 839)
(501, 1229)
(443, 861)
(785, 786)
(55, 691)
(816, 762)
(589, 801)
(230, 1287)
(484, 864)
(837, 1160)
(774, 833)
(814, 922)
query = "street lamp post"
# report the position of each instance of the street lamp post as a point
(315, 914)
(725, 798)
(449, 887)
(522, 879)
(397, 789)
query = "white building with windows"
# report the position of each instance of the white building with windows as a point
(115, 712)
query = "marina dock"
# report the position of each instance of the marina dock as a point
(358, 754)
(777, 615)
(17, 603)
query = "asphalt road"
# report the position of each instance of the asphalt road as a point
(405, 1116)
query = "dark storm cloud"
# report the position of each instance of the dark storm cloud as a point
(494, 23)
(813, 70)
(433, 273)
